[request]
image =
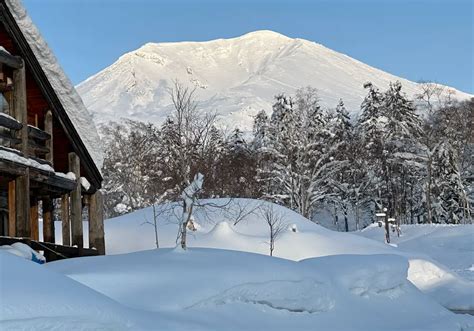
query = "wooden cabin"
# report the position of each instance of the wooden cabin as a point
(47, 144)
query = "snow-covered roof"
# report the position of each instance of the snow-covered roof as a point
(65, 91)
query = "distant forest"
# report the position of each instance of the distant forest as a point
(412, 157)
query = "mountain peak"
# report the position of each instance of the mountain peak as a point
(236, 77)
(264, 34)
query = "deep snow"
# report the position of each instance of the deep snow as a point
(216, 230)
(218, 289)
(320, 283)
(451, 245)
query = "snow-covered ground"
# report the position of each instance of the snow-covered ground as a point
(216, 229)
(324, 279)
(451, 245)
(209, 289)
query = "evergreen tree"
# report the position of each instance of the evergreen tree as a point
(453, 205)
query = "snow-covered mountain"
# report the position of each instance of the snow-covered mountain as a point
(235, 77)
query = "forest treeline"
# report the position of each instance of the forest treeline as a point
(412, 157)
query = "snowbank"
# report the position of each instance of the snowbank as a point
(216, 229)
(24, 251)
(36, 298)
(209, 289)
(451, 245)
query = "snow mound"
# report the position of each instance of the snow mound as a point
(451, 245)
(211, 289)
(24, 251)
(449, 289)
(294, 296)
(34, 297)
(386, 278)
(250, 234)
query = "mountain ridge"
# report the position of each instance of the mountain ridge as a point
(236, 77)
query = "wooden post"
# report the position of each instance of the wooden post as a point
(48, 221)
(11, 209)
(20, 106)
(34, 226)
(387, 230)
(96, 223)
(22, 204)
(48, 127)
(66, 225)
(76, 203)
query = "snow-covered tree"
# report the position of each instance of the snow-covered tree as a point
(189, 196)
(452, 204)
(296, 154)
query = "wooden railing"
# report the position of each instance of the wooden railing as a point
(39, 141)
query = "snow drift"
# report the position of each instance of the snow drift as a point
(209, 289)
(216, 229)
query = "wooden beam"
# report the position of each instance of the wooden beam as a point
(20, 107)
(76, 202)
(48, 127)
(10, 123)
(34, 226)
(34, 132)
(12, 61)
(22, 204)
(7, 136)
(62, 251)
(66, 225)
(48, 221)
(11, 209)
(34, 147)
(48, 180)
(96, 223)
(52, 98)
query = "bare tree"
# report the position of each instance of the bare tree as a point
(160, 207)
(191, 130)
(239, 209)
(275, 223)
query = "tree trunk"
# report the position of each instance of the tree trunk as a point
(155, 223)
(346, 223)
(428, 192)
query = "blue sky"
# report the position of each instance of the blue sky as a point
(418, 40)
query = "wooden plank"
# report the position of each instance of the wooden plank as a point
(34, 226)
(22, 204)
(63, 250)
(11, 209)
(48, 127)
(10, 123)
(34, 132)
(48, 222)
(96, 223)
(10, 138)
(20, 106)
(12, 61)
(34, 147)
(76, 203)
(66, 225)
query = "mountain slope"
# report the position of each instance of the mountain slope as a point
(235, 77)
